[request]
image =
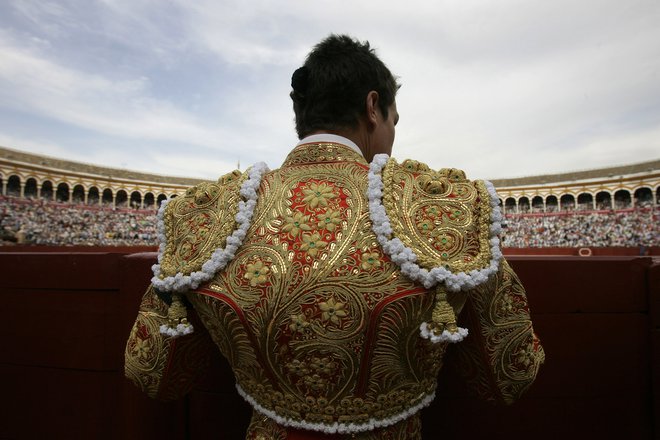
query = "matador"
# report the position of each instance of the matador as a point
(335, 284)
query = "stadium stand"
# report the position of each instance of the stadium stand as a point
(53, 202)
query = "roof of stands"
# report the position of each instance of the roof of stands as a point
(61, 164)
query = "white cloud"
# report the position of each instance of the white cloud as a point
(124, 108)
(500, 89)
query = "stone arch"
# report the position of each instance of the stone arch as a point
(160, 199)
(603, 200)
(47, 190)
(523, 204)
(31, 191)
(567, 202)
(78, 194)
(585, 201)
(510, 205)
(121, 199)
(62, 192)
(93, 196)
(537, 204)
(14, 186)
(551, 203)
(643, 197)
(622, 199)
(107, 198)
(149, 200)
(657, 195)
(136, 200)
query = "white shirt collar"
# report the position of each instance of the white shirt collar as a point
(334, 138)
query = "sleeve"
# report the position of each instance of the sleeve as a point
(164, 367)
(502, 355)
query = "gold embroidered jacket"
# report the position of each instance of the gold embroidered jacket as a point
(318, 315)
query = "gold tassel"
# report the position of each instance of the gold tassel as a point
(443, 326)
(177, 318)
(443, 316)
(177, 312)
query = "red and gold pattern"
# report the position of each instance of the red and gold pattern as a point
(443, 217)
(263, 428)
(199, 223)
(318, 324)
(503, 349)
(161, 366)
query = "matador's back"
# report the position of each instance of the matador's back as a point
(332, 286)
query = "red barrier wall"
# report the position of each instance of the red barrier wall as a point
(66, 317)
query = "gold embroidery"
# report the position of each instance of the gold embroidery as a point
(331, 334)
(441, 216)
(148, 353)
(317, 194)
(296, 223)
(256, 273)
(312, 243)
(332, 310)
(333, 316)
(328, 220)
(262, 428)
(370, 260)
(513, 351)
(199, 223)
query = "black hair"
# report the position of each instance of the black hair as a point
(330, 89)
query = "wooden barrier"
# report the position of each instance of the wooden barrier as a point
(66, 317)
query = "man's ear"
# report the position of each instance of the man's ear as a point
(372, 108)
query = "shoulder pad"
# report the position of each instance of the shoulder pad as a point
(448, 222)
(198, 223)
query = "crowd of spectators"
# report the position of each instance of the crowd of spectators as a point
(47, 223)
(628, 228)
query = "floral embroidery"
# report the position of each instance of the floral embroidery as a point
(323, 365)
(445, 242)
(316, 382)
(296, 223)
(298, 322)
(426, 225)
(329, 220)
(370, 260)
(336, 427)
(318, 194)
(141, 348)
(332, 310)
(257, 273)
(312, 243)
(506, 304)
(526, 356)
(297, 367)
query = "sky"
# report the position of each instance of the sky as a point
(500, 89)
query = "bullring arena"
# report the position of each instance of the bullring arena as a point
(53, 202)
(78, 241)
